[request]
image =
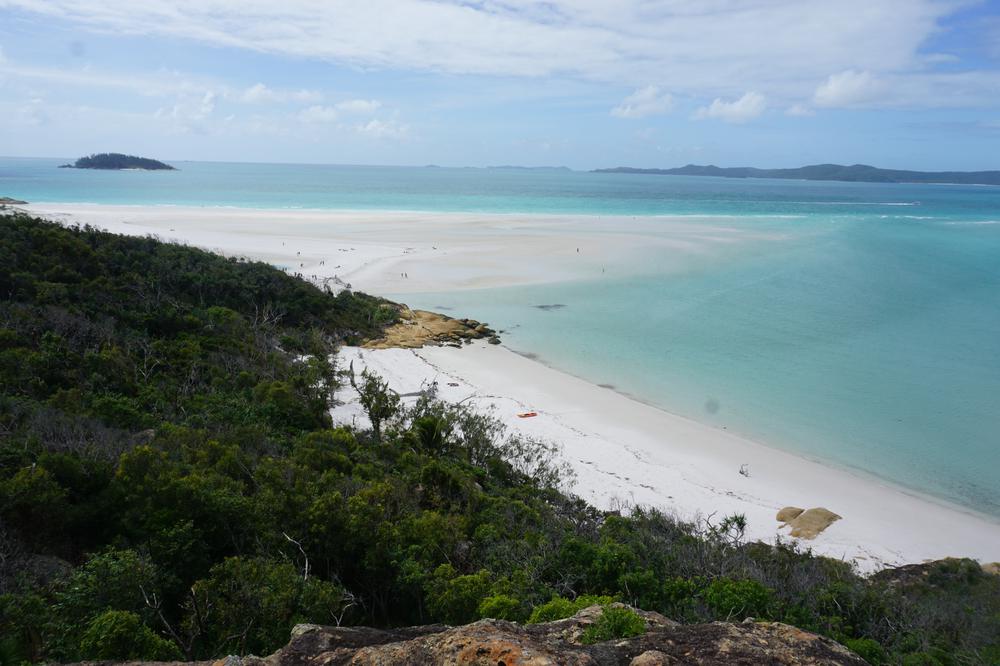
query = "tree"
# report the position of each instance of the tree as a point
(378, 400)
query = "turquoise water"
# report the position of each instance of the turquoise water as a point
(869, 337)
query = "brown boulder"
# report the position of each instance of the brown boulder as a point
(653, 658)
(807, 524)
(789, 513)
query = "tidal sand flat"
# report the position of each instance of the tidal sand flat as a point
(623, 451)
(403, 252)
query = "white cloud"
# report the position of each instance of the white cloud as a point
(848, 88)
(383, 129)
(648, 101)
(33, 112)
(799, 111)
(331, 113)
(751, 105)
(319, 114)
(716, 48)
(939, 58)
(360, 106)
(257, 94)
(261, 94)
(159, 83)
(189, 113)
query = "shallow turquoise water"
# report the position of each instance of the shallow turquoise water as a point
(868, 337)
(873, 345)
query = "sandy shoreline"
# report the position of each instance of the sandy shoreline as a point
(621, 449)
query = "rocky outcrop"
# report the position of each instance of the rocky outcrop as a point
(417, 328)
(500, 643)
(495, 642)
(937, 573)
(7, 201)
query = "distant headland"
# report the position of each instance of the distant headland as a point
(854, 173)
(118, 161)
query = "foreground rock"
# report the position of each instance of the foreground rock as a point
(499, 643)
(417, 328)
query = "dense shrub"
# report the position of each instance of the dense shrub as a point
(456, 598)
(615, 622)
(501, 607)
(249, 605)
(559, 608)
(737, 599)
(121, 635)
(867, 649)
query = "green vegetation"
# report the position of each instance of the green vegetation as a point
(560, 608)
(115, 161)
(615, 622)
(171, 485)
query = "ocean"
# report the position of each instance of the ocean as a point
(868, 338)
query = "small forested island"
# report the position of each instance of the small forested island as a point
(172, 487)
(859, 173)
(118, 161)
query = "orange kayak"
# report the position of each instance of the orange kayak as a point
(525, 415)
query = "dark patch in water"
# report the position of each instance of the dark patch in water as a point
(533, 356)
(550, 306)
(442, 307)
(607, 386)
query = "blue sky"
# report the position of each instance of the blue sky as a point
(582, 83)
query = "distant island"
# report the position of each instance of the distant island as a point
(861, 173)
(118, 161)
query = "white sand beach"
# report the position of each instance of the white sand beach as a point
(623, 451)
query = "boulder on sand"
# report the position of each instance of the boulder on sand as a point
(808, 524)
(788, 513)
